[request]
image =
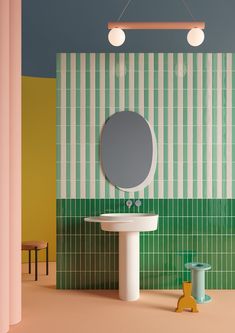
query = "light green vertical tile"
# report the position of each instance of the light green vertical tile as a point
(97, 125)
(58, 129)
(175, 127)
(233, 125)
(156, 117)
(68, 118)
(146, 86)
(214, 125)
(195, 135)
(204, 126)
(165, 101)
(87, 125)
(224, 131)
(127, 78)
(185, 127)
(78, 109)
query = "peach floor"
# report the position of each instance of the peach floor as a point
(46, 309)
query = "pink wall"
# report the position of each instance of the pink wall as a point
(4, 165)
(15, 161)
(10, 163)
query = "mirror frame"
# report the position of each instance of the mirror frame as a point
(152, 169)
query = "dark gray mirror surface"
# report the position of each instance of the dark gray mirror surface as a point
(126, 149)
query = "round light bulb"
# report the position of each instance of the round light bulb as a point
(116, 37)
(195, 37)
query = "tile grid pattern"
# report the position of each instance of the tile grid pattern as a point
(189, 230)
(195, 160)
(189, 99)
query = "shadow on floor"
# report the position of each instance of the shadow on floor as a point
(167, 293)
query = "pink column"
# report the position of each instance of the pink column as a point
(10, 163)
(15, 161)
(4, 166)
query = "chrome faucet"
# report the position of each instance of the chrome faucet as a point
(129, 203)
(138, 203)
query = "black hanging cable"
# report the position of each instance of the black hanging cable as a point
(124, 9)
(188, 9)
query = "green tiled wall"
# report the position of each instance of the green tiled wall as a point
(189, 230)
(189, 99)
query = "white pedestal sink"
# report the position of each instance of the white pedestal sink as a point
(129, 226)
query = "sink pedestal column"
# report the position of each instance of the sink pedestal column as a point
(129, 266)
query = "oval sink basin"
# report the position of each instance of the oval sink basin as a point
(125, 222)
(129, 226)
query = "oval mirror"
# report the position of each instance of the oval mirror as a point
(128, 151)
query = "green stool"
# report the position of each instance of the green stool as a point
(198, 281)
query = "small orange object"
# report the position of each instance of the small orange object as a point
(187, 301)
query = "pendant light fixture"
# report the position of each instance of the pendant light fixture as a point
(116, 36)
(195, 36)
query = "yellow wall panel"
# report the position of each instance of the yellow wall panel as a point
(39, 162)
